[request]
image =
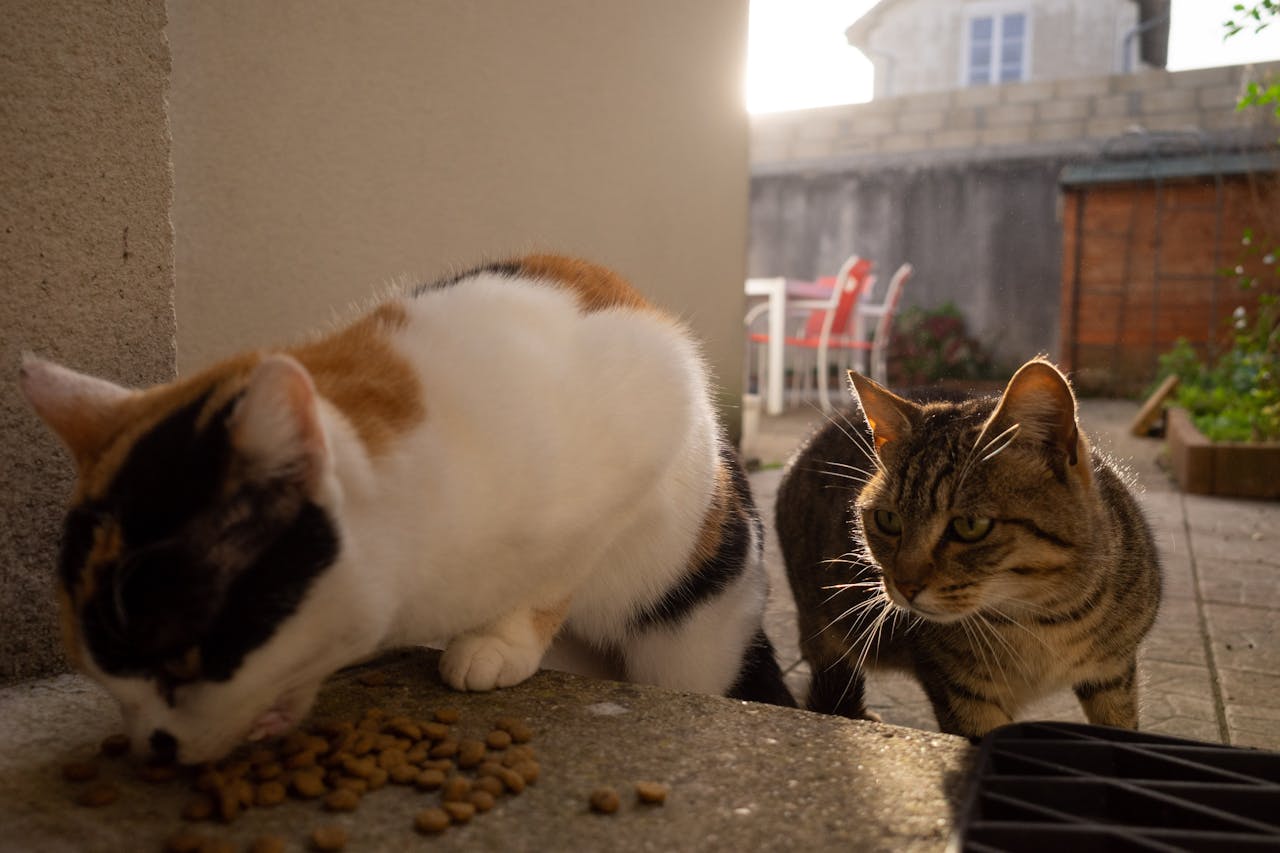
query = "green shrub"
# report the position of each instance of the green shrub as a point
(932, 344)
(1237, 396)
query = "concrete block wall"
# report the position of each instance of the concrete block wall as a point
(988, 120)
(965, 184)
(86, 260)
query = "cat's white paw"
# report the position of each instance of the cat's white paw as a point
(484, 662)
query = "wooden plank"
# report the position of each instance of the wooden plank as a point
(1151, 409)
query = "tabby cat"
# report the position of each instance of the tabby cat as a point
(478, 462)
(979, 544)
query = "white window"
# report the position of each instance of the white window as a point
(996, 45)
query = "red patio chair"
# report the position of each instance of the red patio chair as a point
(843, 336)
(826, 323)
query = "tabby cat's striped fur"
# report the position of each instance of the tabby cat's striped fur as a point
(981, 545)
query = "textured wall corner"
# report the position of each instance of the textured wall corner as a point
(86, 260)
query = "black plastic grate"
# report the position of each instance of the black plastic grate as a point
(1050, 787)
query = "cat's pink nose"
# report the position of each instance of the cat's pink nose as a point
(909, 589)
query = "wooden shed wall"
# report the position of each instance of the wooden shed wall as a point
(1146, 263)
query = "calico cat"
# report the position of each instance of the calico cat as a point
(981, 545)
(482, 461)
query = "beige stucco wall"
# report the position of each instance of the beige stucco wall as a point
(86, 271)
(323, 148)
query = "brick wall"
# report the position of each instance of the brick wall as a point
(1027, 116)
(1146, 263)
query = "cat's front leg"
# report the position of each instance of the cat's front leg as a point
(1111, 701)
(961, 710)
(504, 652)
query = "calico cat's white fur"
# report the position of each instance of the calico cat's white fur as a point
(476, 464)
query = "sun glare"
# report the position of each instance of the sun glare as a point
(797, 55)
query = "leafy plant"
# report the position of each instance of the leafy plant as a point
(1258, 17)
(1237, 396)
(928, 345)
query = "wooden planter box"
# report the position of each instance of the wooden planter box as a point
(1235, 469)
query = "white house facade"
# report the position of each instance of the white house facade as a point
(933, 45)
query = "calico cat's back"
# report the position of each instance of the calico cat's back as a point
(474, 462)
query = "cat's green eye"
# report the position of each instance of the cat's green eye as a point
(888, 522)
(970, 529)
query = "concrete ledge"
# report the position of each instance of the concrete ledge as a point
(742, 776)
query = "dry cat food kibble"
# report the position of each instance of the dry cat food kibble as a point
(652, 793)
(605, 800)
(267, 844)
(200, 808)
(342, 800)
(498, 739)
(79, 771)
(459, 812)
(519, 731)
(332, 837)
(482, 800)
(432, 820)
(113, 746)
(96, 796)
(335, 764)
(373, 679)
(184, 842)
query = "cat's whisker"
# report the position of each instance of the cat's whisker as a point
(874, 636)
(851, 611)
(856, 436)
(979, 645)
(836, 590)
(1013, 620)
(995, 633)
(866, 475)
(866, 605)
(845, 465)
(844, 475)
(978, 456)
(864, 441)
(870, 633)
(1011, 432)
(989, 634)
(854, 585)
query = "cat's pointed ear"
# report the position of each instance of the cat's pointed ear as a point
(276, 428)
(890, 417)
(79, 408)
(1039, 401)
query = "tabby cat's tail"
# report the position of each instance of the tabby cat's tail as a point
(760, 679)
(838, 689)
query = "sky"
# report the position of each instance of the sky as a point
(797, 55)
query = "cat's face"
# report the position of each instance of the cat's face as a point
(196, 555)
(979, 505)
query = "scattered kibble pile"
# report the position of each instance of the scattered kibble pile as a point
(338, 763)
